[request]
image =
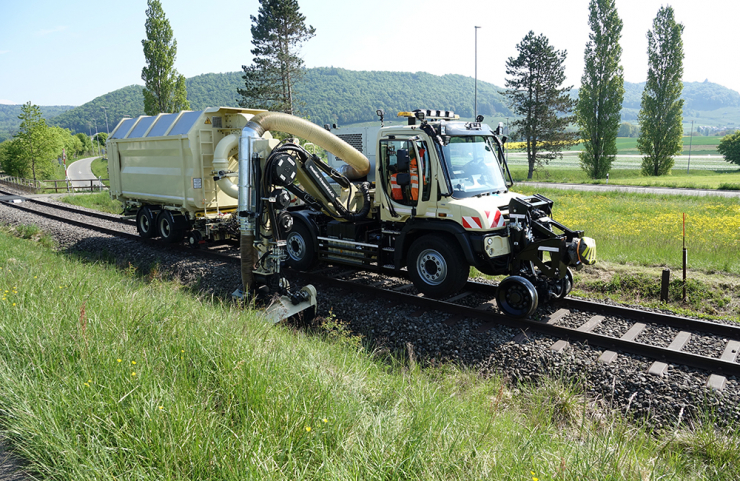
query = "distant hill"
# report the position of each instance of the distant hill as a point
(335, 95)
(700, 97)
(9, 117)
(331, 95)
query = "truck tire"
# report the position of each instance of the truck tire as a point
(301, 248)
(145, 223)
(171, 227)
(437, 266)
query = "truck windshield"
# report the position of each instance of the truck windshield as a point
(473, 166)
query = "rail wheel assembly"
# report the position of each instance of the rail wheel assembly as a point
(517, 296)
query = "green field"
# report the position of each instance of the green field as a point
(115, 372)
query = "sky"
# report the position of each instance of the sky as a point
(68, 53)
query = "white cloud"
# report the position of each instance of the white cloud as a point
(51, 30)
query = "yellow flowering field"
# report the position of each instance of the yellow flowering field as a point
(647, 229)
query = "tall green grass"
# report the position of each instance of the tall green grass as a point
(98, 201)
(115, 373)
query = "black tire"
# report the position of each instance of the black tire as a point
(145, 223)
(300, 247)
(437, 266)
(170, 227)
(517, 297)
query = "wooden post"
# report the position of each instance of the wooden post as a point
(664, 283)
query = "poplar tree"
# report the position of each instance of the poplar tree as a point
(661, 110)
(277, 34)
(600, 97)
(164, 88)
(536, 94)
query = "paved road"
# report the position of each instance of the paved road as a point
(633, 189)
(80, 173)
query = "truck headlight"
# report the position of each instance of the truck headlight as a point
(496, 246)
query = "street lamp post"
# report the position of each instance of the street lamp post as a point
(475, 117)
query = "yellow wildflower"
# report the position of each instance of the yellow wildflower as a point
(308, 429)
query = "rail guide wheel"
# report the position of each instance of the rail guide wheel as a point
(517, 297)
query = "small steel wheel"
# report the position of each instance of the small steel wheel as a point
(566, 284)
(517, 297)
(145, 223)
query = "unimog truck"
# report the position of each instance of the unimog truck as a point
(440, 203)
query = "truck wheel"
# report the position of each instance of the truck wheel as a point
(170, 227)
(145, 223)
(517, 297)
(301, 248)
(437, 267)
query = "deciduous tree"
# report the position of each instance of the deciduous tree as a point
(36, 144)
(602, 90)
(535, 93)
(164, 88)
(277, 34)
(729, 146)
(661, 109)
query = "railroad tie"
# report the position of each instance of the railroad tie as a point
(608, 356)
(588, 326)
(716, 381)
(659, 368)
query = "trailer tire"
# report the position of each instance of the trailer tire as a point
(437, 266)
(301, 248)
(145, 224)
(171, 227)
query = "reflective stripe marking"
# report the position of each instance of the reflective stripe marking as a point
(549, 249)
(494, 218)
(471, 222)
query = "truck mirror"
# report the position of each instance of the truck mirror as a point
(402, 160)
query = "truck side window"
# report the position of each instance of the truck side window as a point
(398, 180)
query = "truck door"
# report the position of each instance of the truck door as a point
(405, 178)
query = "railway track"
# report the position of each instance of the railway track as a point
(572, 320)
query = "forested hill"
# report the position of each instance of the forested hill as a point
(9, 117)
(330, 95)
(334, 95)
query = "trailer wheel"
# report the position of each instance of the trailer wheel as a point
(170, 227)
(517, 297)
(301, 248)
(145, 223)
(436, 266)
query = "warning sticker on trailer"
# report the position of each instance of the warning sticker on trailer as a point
(208, 121)
(197, 182)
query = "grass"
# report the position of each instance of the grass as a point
(99, 201)
(99, 169)
(116, 373)
(646, 229)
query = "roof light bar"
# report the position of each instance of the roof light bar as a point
(430, 114)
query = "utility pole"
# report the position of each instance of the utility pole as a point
(475, 116)
(107, 131)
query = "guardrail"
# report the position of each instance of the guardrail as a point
(59, 185)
